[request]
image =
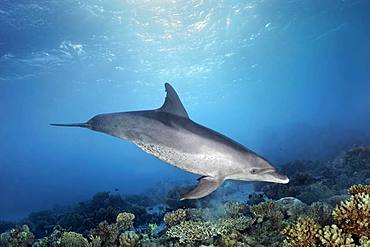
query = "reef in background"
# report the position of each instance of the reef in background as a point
(312, 181)
(291, 217)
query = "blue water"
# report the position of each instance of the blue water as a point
(288, 79)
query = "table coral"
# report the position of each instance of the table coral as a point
(191, 231)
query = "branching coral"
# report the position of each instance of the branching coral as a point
(353, 215)
(302, 233)
(359, 188)
(175, 217)
(332, 236)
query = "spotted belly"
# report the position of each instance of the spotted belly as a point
(202, 164)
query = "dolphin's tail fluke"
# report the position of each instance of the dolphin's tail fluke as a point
(82, 125)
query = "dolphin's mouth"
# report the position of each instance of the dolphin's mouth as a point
(282, 179)
(81, 125)
(275, 176)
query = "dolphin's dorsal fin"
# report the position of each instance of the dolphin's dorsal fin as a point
(172, 104)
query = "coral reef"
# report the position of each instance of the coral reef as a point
(351, 215)
(86, 215)
(312, 181)
(300, 213)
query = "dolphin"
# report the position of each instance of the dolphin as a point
(170, 135)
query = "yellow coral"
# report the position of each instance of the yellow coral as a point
(302, 233)
(359, 188)
(128, 239)
(229, 240)
(175, 217)
(125, 220)
(332, 236)
(353, 215)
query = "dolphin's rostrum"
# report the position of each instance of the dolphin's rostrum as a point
(170, 135)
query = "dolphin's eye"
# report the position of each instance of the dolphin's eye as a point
(253, 171)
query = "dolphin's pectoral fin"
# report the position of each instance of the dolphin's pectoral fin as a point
(205, 186)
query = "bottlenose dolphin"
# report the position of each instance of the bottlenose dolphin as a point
(170, 135)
